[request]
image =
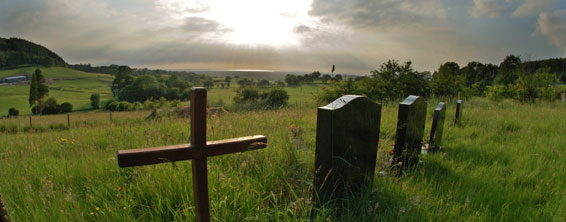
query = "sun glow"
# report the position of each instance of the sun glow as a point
(250, 22)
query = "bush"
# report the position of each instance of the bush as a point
(124, 106)
(66, 107)
(137, 106)
(497, 92)
(13, 112)
(249, 98)
(186, 95)
(95, 101)
(277, 97)
(246, 94)
(51, 107)
(112, 105)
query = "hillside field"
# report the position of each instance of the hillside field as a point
(505, 162)
(68, 86)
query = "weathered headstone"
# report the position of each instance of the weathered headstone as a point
(458, 114)
(3, 212)
(437, 127)
(410, 130)
(347, 136)
(197, 151)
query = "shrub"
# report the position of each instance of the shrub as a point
(137, 106)
(66, 107)
(13, 112)
(246, 94)
(112, 106)
(95, 101)
(186, 95)
(277, 97)
(496, 92)
(51, 107)
(124, 106)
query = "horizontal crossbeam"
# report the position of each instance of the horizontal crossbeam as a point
(164, 154)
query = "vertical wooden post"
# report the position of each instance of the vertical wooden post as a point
(30, 123)
(68, 120)
(198, 140)
(110, 116)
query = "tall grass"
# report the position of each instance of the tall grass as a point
(504, 162)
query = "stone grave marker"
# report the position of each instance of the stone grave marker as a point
(458, 115)
(347, 135)
(437, 127)
(410, 130)
(197, 151)
(3, 212)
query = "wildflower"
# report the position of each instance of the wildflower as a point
(91, 213)
(63, 140)
(391, 152)
(97, 209)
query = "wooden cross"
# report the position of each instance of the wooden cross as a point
(197, 151)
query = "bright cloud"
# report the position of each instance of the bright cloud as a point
(552, 25)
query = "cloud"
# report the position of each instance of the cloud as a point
(200, 25)
(552, 25)
(378, 14)
(301, 29)
(490, 8)
(532, 7)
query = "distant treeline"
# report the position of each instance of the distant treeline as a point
(113, 69)
(513, 78)
(16, 52)
(128, 87)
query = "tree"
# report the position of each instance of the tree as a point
(291, 80)
(447, 81)
(227, 80)
(263, 83)
(95, 101)
(508, 70)
(315, 75)
(38, 90)
(325, 78)
(208, 84)
(122, 78)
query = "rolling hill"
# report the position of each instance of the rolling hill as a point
(15, 52)
(67, 85)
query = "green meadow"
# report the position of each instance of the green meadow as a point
(68, 86)
(504, 162)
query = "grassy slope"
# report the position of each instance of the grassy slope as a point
(69, 86)
(504, 163)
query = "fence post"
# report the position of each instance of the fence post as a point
(30, 123)
(68, 120)
(110, 116)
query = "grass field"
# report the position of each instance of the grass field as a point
(505, 162)
(69, 86)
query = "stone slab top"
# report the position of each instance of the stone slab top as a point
(340, 102)
(410, 100)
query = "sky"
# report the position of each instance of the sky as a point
(289, 35)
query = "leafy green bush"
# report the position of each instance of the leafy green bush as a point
(112, 106)
(66, 107)
(125, 106)
(13, 112)
(276, 97)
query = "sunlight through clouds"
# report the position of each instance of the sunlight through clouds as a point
(252, 22)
